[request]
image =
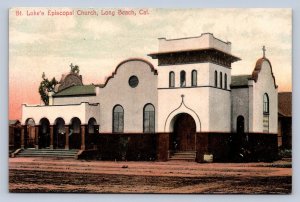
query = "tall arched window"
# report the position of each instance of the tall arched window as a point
(225, 81)
(149, 119)
(221, 80)
(194, 78)
(266, 104)
(266, 112)
(182, 79)
(118, 119)
(171, 79)
(216, 79)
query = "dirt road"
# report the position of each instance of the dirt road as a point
(60, 175)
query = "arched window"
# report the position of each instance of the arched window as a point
(221, 80)
(171, 79)
(118, 119)
(266, 104)
(149, 119)
(182, 79)
(266, 112)
(216, 79)
(225, 82)
(194, 78)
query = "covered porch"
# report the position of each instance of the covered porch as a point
(60, 126)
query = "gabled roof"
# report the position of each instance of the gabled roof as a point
(240, 81)
(258, 67)
(76, 91)
(285, 104)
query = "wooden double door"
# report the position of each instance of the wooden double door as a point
(184, 134)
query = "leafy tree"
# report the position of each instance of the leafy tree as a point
(45, 87)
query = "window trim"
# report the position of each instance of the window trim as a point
(266, 105)
(225, 81)
(194, 78)
(221, 80)
(216, 78)
(113, 118)
(171, 82)
(182, 82)
(148, 104)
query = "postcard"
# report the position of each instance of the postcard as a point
(144, 100)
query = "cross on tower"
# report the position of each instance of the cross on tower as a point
(264, 51)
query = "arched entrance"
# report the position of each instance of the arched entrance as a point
(59, 139)
(183, 137)
(240, 125)
(75, 134)
(44, 133)
(29, 133)
(91, 135)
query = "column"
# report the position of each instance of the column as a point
(51, 136)
(82, 137)
(36, 137)
(67, 137)
(22, 136)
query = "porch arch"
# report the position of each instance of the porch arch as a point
(44, 133)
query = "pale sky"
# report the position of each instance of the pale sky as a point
(97, 44)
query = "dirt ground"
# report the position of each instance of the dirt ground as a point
(61, 175)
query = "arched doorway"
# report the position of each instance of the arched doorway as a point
(91, 135)
(183, 137)
(240, 125)
(29, 133)
(75, 134)
(59, 139)
(44, 133)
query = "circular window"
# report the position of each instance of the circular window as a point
(133, 81)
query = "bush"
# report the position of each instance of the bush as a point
(285, 153)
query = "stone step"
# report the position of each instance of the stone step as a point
(43, 155)
(183, 156)
(48, 153)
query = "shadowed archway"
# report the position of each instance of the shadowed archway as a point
(44, 133)
(59, 136)
(183, 137)
(75, 134)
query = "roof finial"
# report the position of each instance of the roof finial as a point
(264, 51)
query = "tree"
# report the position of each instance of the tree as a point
(45, 87)
(49, 85)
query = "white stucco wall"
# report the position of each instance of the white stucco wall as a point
(195, 104)
(219, 110)
(74, 100)
(206, 40)
(204, 102)
(218, 68)
(118, 92)
(240, 107)
(202, 74)
(83, 111)
(264, 84)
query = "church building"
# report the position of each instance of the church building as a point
(187, 107)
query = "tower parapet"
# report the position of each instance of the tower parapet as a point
(204, 48)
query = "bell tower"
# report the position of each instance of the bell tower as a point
(200, 69)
